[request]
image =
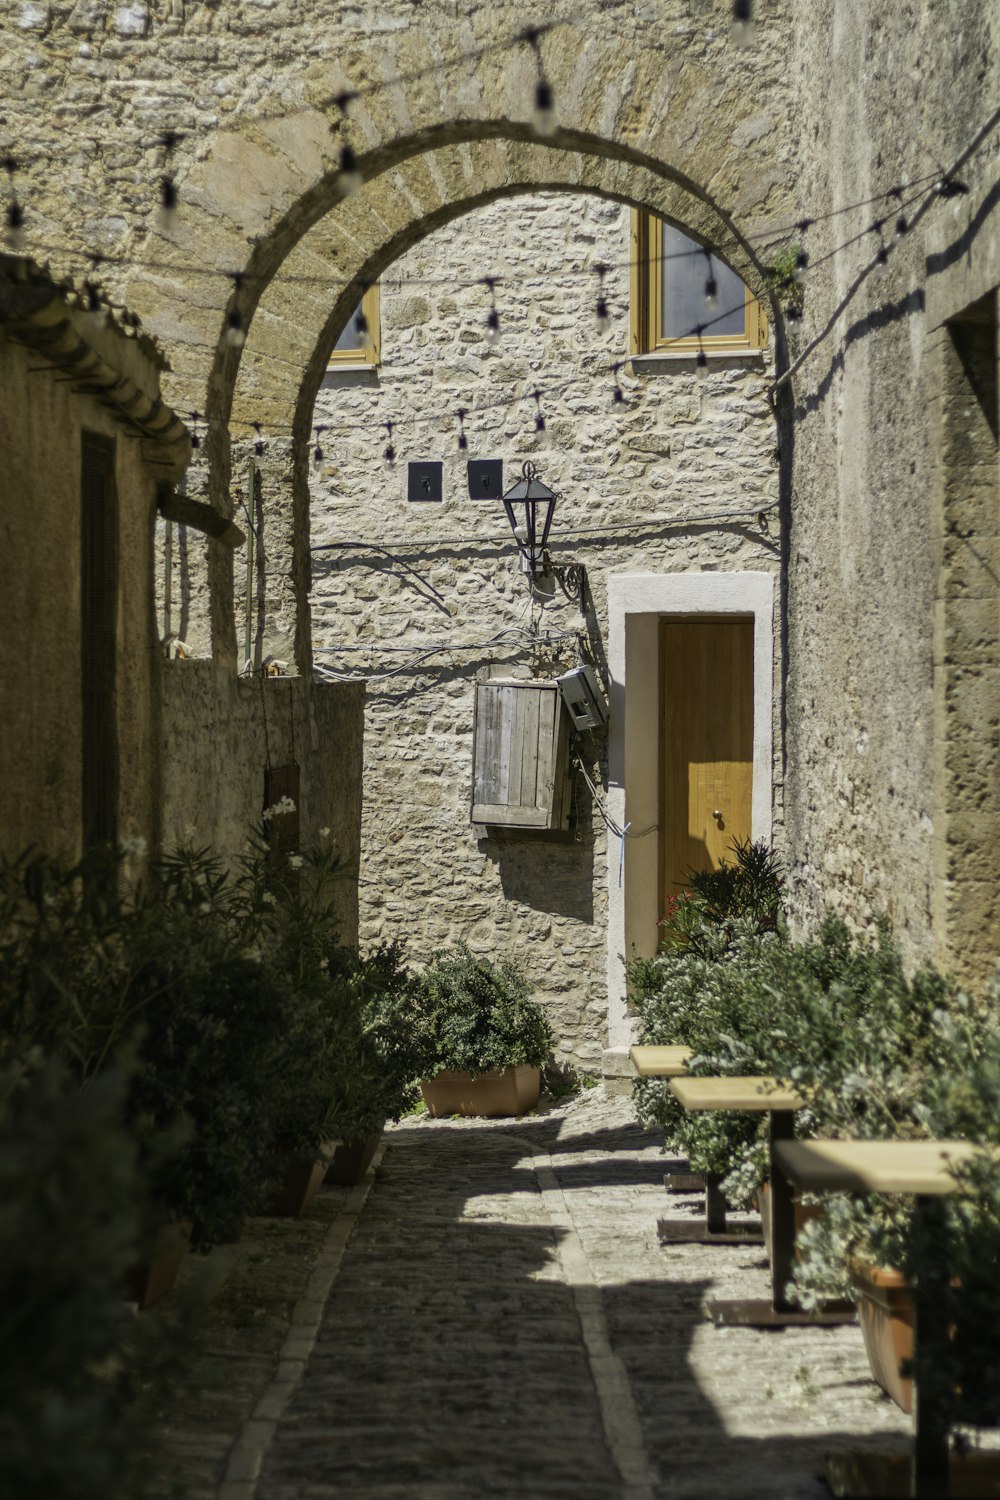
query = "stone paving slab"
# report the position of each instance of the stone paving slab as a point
(505, 1323)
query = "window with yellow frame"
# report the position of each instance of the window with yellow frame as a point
(679, 286)
(360, 341)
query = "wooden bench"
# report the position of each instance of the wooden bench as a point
(668, 1062)
(760, 1095)
(923, 1169)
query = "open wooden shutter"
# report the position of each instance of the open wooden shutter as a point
(520, 755)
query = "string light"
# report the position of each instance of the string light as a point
(492, 317)
(168, 187)
(236, 334)
(96, 315)
(545, 104)
(950, 187)
(741, 27)
(463, 441)
(881, 257)
(360, 321)
(711, 285)
(318, 451)
(195, 419)
(258, 446)
(14, 213)
(539, 418)
(617, 394)
(601, 315)
(900, 229)
(701, 359)
(390, 452)
(801, 266)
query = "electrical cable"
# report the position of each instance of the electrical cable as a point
(621, 833)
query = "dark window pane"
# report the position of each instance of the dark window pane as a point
(685, 272)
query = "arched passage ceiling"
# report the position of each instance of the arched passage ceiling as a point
(300, 314)
(662, 111)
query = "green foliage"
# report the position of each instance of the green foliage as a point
(477, 1015)
(782, 280)
(836, 1016)
(79, 1374)
(381, 1053)
(255, 1036)
(741, 898)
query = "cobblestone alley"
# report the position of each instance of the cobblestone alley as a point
(501, 1321)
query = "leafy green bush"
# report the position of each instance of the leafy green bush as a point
(837, 1017)
(477, 1016)
(78, 1373)
(381, 1050)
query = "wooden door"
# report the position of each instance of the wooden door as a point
(706, 767)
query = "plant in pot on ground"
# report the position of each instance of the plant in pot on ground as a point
(479, 1025)
(381, 1053)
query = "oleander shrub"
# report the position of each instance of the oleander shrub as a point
(80, 1376)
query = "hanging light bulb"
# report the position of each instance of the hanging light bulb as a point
(492, 317)
(390, 451)
(801, 266)
(360, 323)
(711, 285)
(318, 451)
(236, 334)
(195, 418)
(741, 27)
(167, 214)
(545, 108)
(96, 314)
(463, 441)
(881, 257)
(701, 359)
(15, 235)
(539, 418)
(601, 315)
(350, 180)
(617, 394)
(900, 229)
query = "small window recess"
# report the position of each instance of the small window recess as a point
(360, 348)
(661, 324)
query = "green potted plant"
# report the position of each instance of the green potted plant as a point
(380, 1058)
(485, 1040)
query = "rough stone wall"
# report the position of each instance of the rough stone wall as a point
(41, 420)
(219, 735)
(644, 486)
(887, 95)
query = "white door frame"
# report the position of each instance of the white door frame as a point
(636, 601)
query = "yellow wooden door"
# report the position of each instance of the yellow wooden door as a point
(706, 768)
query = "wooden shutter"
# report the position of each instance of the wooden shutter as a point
(520, 755)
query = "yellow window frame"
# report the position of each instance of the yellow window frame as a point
(646, 321)
(371, 352)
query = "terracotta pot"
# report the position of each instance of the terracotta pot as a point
(804, 1214)
(512, 1092)
(303, 1177)
(885, 1312)
(151, 1279)
(352, 1159)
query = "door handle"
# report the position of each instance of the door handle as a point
(719, 820)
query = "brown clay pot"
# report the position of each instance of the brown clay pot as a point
(151, 1279)
(885, 1312)
(512, 1092)
(303, 1177)
(352, 1159)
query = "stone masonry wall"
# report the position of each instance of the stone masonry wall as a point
(642, 486)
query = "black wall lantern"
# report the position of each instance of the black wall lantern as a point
(529, 505)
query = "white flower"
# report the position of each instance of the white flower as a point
(133, 847)
(205, 906)
(296, 861)
(268, 898)
(324, 833)
(279, 809)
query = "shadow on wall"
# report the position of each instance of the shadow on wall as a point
(550, 872)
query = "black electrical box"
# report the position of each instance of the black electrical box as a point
(485, 478)
(424, 480)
